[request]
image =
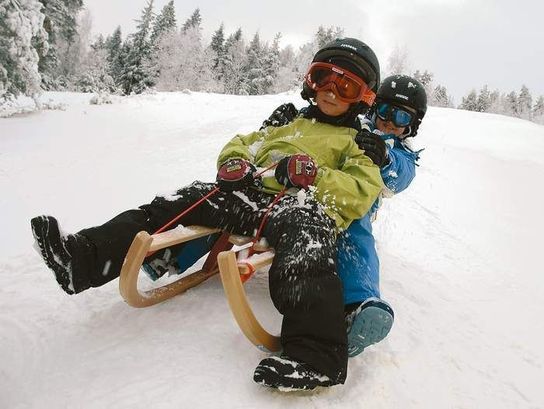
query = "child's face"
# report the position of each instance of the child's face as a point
(329, 104)
(388, 127)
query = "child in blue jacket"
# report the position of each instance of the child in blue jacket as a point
(400, 106)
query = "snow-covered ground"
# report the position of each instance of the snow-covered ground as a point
(460, 253)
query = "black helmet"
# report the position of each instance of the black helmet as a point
(352, 55)
(407, 91)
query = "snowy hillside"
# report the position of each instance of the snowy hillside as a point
(460, 252)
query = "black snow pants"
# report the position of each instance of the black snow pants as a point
(304, 286)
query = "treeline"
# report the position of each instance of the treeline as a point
(47, 45)
(520, 104)
(53, 39)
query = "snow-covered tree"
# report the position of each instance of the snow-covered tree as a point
(525, 103)
(440, 98)
(22, 37)
(426, 79)
(512, 104)
(115, 54)
(254, 68)
(288, 75)
(270, 65)
(234, 63)
(326, 35)
(304, 57)
(470, 102)
(61, 24)
(497, 102)
(184, 63)
(397, 63)
(95, 74)
(192, 22)
(483, 103)
(217, 47)
(538, 110)
(136, 75)
(165, 23)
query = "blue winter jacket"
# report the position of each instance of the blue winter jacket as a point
(401, 169)
(358, 263)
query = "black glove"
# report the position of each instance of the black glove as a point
(236, 174)
(374, 147)
(296, 171)
(282, 115)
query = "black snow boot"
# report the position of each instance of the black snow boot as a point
(287, 374)
(55, 249)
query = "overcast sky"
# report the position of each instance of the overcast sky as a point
(466, 44)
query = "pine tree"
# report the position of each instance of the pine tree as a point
(99, 43)
(470, 102)
(288, 75)
(136, 76)
(426, 79)
(184, 63)
(483, 102)
(512, 104)
(234, 63)
(164, 23)
(253, 69)
(193, 21)
(440, 97)
(218, 48)
(115, 55)
(164, 26)
(94, 75)
(270, 65)
(326, 35)
(397, 63)
(538, 110)
(496, 102)
(60, 23)
(22, 38)
(525, 103)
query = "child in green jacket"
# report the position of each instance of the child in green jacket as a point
(328, 182)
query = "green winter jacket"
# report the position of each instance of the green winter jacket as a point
(347, 182)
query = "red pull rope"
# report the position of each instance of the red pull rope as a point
(265, 219)
(183, 213)
(211, 193)
(179, 216)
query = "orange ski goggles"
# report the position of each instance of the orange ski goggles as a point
(347, 86)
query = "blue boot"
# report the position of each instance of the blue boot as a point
(368, 324)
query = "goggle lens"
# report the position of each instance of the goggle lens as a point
(399, 116)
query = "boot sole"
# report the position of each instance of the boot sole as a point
(370, 326)
(41, 230)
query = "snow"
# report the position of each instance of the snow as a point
(459, 256)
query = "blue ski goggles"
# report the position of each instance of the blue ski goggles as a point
(400, 117)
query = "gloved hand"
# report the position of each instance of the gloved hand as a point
(296, 171)
(282, 115)
(374, 147)
(236, 174)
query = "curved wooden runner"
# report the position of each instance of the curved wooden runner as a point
(226, 263)
(144, 243)
(238, 302)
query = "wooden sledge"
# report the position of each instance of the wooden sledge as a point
(220, 259)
